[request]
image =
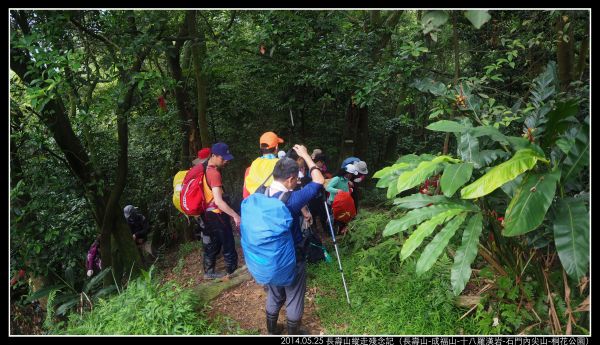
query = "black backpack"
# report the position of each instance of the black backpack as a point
(313, 247)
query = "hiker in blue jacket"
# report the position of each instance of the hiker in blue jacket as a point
(285, 175)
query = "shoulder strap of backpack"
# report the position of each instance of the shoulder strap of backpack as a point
(205, 165)
(267, 179)
(283, 197)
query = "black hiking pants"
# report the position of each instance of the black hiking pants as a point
(317, 209)
(218, 233)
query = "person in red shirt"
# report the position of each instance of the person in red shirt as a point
(218, 231)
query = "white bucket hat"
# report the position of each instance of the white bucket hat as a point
(361, 166)
(127, 211)
(351, 169)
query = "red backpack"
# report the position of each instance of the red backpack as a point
(343, 207)
(192, 193)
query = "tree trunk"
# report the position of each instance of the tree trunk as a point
(355, 135)
(362, 134)
(349, 131)
(456, 69)
(190, 143)
(390, 154)
(583, 51)
(198, 57)
(104, 205)
(564, 51)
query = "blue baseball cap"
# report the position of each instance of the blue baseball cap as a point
(221, 149)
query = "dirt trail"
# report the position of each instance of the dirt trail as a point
(244, 303)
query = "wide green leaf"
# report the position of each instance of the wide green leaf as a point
(68, 305)
(520, 143)
(426, 84)
(431, 20)
(572, 236)
(386, 180)
(417, 216)
(96, 280)
(391, 176)
(578, 156)
(418, 200)
(454, 177)
(478, 17)
(392, 190)
(423, 171)
(414, 159)
(447, 126)
(559, 119)
(486, 157)
(424, 230)
(468, 148)
(511, 186)
(528, 207)
(388, 170)
(43, 292)
(105, 291)
(433, 250)
(466, 253)
(489, 131)
(522, 161)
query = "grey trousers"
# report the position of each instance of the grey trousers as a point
(292, 296)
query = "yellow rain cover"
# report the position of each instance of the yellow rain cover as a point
(177, 185)
(259, 170)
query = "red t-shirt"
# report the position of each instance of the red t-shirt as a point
(213, 176)
(213, 179)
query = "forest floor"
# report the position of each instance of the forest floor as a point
(244, 303)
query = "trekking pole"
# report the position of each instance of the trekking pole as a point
(336, 252)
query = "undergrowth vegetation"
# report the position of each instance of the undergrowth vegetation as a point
(145, 307)
(386, 295)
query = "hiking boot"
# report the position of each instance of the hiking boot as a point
(272, 327)
(213, 275)
(230, 270)
(293, 328)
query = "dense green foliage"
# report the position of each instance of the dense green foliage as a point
(145, 307)
(386, 296)
(494, 103)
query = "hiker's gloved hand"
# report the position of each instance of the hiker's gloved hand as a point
(89, 273)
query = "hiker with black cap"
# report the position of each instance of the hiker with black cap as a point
(273, 243)
(218, 231)
(138, 224)
(259, 172)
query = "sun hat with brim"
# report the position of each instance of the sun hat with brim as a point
(361, 166)
(350, 168)
(128, 210)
